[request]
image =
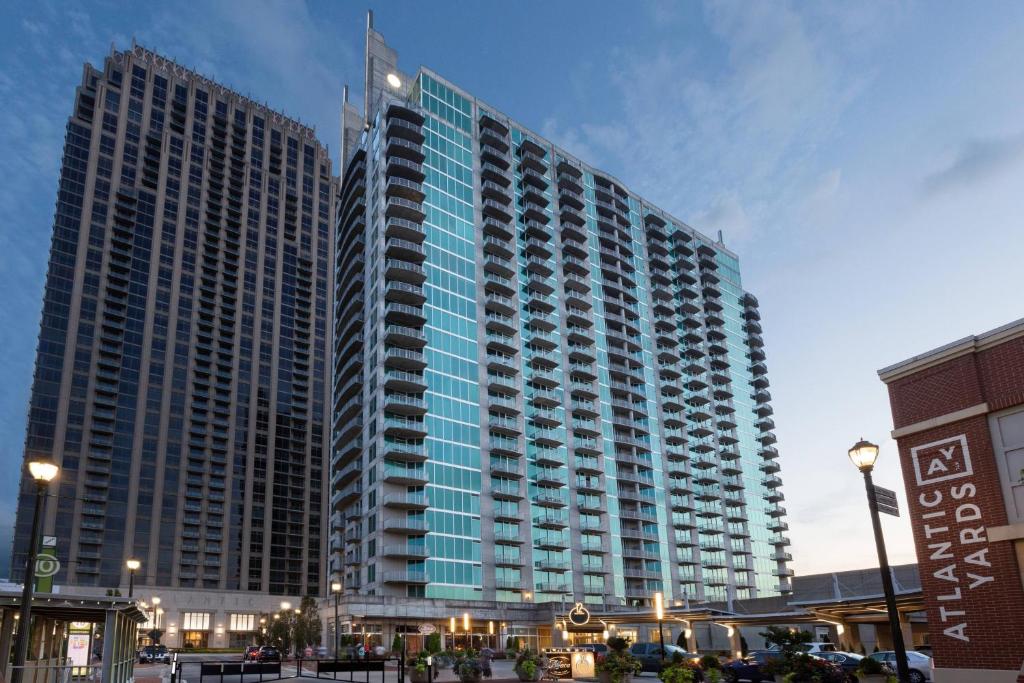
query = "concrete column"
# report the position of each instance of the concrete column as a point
(907, 630)
(883, 636)
(6, 632)
(735, 642)
(851, 636)
(691, 639)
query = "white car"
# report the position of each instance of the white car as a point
(811, 648)
(920, 664)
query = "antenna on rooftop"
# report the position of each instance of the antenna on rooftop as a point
(720, 237)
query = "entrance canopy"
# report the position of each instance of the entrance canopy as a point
(858, 609)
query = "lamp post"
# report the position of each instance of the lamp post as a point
(659, 613)
(465, 627)
(336, 589)
(451, 628)
(43, 470)
(133, 566)
(863, 455)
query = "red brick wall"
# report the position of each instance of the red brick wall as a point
(994, 609)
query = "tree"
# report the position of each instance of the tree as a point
(790, 641)
(279, 633)
(433, 644)
(308, 628)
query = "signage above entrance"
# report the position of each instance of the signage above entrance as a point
(426, 629)
(579, 615)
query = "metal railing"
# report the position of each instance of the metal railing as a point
(59, 671)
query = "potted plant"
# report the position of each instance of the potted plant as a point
(527, 666)
(469, 669)
(618, 666)
(418, 668)
(678, 672)
(806, 669)
(872, 671)
(711, 665)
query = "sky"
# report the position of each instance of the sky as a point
(865, 160)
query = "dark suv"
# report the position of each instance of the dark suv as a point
(154, 653)
(268, 654)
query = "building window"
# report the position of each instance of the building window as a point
(195, 621)
(242, 622)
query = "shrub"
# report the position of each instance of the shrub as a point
(708, 662)
(619, 664)
(869, 666)
(527, 665)
(681, 672)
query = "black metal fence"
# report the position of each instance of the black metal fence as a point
(236, 671)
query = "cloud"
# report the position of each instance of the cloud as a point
(726, 214)
(749, 113)
(976, 161)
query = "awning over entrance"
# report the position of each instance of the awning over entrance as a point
(862, 609)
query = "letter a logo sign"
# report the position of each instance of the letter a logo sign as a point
(941, 460)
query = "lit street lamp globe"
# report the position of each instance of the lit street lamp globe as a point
(863, 455)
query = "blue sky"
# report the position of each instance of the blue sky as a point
(866, 160)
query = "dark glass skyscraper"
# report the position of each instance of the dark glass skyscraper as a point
(181, 380)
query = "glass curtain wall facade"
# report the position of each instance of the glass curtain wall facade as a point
(550, 389)
(180, 378)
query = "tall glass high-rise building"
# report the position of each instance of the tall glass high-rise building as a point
(181, 376)
(545, 387)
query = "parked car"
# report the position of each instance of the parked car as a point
(653, 658)
(750, 668)
(250, 654)
(920, 664)
(810, 648)
(155, 654)
(268, 653)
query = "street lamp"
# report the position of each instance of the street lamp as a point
(43, 470)
(336, 589)
(133, 566)
(659, 613)
(863, 455)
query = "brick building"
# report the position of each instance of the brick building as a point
(958, 417)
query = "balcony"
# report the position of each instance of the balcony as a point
(404, 271)
(405, 475)
(404, 382)
(406, 452)
(407, 577)
(406, 552)
(406, 501)
(550, 522)
(409, 526)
